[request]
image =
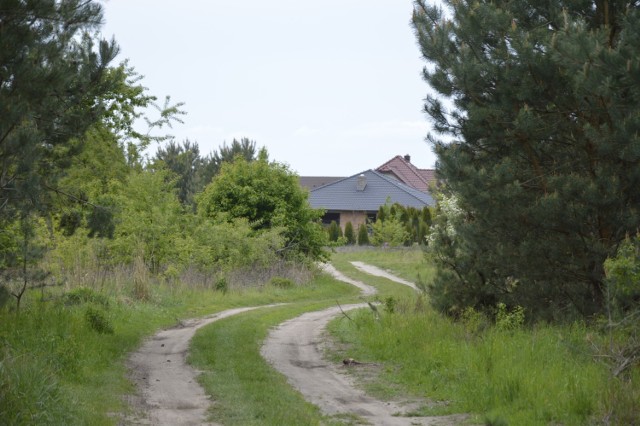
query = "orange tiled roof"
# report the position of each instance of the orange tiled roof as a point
(401, 168)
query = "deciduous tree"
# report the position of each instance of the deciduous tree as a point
(268, 195)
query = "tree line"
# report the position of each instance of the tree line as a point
(77, 189)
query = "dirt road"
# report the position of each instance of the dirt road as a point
(367, 290)
(374, 270)
(296, 347)
(168, 393)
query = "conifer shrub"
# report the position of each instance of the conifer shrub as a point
(334, 231)
(363, 235)
(349, 233)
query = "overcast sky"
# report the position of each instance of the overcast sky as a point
(330, 87)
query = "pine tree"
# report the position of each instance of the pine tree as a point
(53, 82)
(268, 195)
(539, 103)
(185, 162)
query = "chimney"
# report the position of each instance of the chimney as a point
(407, 158)
(362, 183)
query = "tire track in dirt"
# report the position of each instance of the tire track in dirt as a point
(168, 392)
(374, 270)
(295, 348)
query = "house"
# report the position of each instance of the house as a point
(357, 198)
(400, 168)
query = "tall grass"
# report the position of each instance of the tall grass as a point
(546, 375)
(501, 375)
(62, 359)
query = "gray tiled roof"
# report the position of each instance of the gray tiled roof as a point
(313, 182)
(343, 195)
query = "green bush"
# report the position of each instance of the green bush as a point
(81, 295)
(334, 231)
(623, 277)
(363, 235)
(283, 283)
(349, 234)
(98, 320)
(391, 232)
(509, 320)
(222, 284)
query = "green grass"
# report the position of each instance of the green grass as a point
(246, 390)
(544, 375)
(56, 369)
(406, 262)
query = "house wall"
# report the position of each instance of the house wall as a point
(356, 219)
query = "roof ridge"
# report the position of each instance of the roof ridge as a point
(388, 161)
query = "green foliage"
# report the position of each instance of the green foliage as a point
(509, 320)
(390, 232)
(388, 228)
(184, 161)
(396, 224)
(82, 295)
(268, 196)
(623, 308)
(529, 377)
(623, 277)
(349, 233)
(222, 284)
(283, 283)
(98, 320)
(212, 164)
(55, 79)
(390, 304)
(539, 107)
(363, 235)
(148, 220)
(334, 231)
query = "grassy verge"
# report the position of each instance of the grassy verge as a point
(520, 376)
(62, 361)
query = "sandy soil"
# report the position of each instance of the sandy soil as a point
(374, 270)
(168, 393)
(367, 290)
(296, 347)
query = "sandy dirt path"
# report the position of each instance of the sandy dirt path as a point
(367, 290)
(295, 348)
(374, 270)
(168, 392)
